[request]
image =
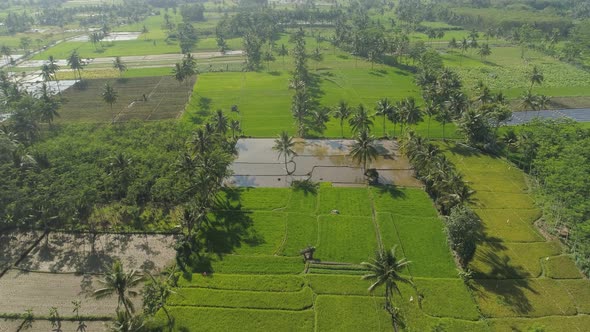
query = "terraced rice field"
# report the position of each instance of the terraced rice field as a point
(518, 272)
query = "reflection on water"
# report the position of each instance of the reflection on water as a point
(258, 165)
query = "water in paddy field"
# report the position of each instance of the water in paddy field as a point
(580, 115)
(258, 165)
(111, 37)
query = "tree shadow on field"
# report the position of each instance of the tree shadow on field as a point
(391, 190)
(204, 105)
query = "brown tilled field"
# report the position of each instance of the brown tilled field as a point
(145, 98)
(13, 245)
(84, 253)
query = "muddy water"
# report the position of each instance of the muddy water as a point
(258, 165)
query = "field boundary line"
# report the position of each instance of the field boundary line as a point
(24, 254)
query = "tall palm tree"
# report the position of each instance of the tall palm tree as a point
(120, 283)
(47, 106)
(342, 112)
(385, 270)
(529, 102)
(189, 65)
(46, 73)
(363, 149)
(119, 65)
(110, 96)
(444, 116)
(431, 109)
(360, 120)
(126, 322)
(6, 52)
(284, 146)
(54, 68)
(410, 112)
(383, 109)
(282, 52)
(75, 63)
(178, 73)
(221, 122)
(234, 125)
(536, 77)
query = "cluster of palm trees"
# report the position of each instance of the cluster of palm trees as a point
(533, 102)
(49, 71)
(442, 180)
(185, 69)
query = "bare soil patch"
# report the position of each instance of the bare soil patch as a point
(87, 253)
(13, 245)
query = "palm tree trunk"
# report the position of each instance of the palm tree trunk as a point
(341, 128)
(428, 128)
(384, 134)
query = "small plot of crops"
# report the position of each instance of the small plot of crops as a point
(506, 70)
(523, 298)
(346, 239)
(354, 313)
(551, 323)
(201, 297)
(347, 201)
(561, 267)
(262, 198)
(446, 298)
(510, 225)
(403, 201)
(266, 234)
(302, 231)
(146, 98)
(580, 292)
(242, 264)
(269, 283)
(226, 319)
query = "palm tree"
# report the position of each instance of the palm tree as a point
(529, 102)
(363, 149)
(110, 96)
(234, 125)
(464, 48)
(75, 62)
(178, 73)
(116, 281)
(385, 269)
(384, 109)
(360, 120)
(54, 68)
(221, 122)
(283, 52)
(410, 112)
(284, 146)
(484, 51)
(431, 109)
(543, 102)
(95, 38)
(46, 73)
(48, 106)
(119, 65)
(444, 116)
(342, 112)
(6, 52)
(126, 322)
(536, 77)
(189, 65)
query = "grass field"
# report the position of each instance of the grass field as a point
(518, 273)
(265, 281)
(505, 70)
(164, 99)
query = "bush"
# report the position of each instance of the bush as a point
(462, 228)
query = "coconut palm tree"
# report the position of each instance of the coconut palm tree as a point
(529, 102)
(283, 52)
(431, 109)
(444, 116)
(120, 283)
(383, 109)
(48, 106)
(54, 68)
(46, 73)
(221, 122)
(363, 150)
(189, 65)
(178, 73)
(110, 96)
(75, 63)
(342, 112)
(284, 146)
(119, 65)
(234, 125)
(385, 270)
(410, 112)
(484, 51)
(536, 77)
(126, 322)
(360, 120)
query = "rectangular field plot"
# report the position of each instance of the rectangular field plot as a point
(302, 231)
(266, 234)
(403, 201)
(351, 313)
(341, 285)
(201, 297)
(515, 225)
(512, 260)
(346, 239)
(39, 291)
(146, 98)
(348, 201)
(226, 319)
(242, 264)
(446, 298)
(580, 291)
(269, 283)
(425, 245)
(523, 297)
(262, 198)
(65, 252)
(13, 245)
